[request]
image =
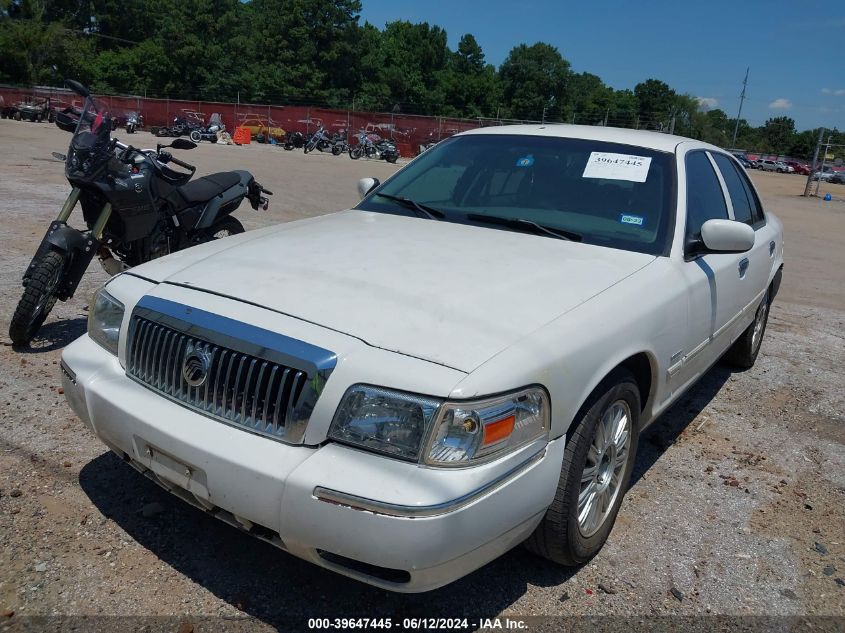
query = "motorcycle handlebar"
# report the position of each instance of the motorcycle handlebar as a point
(183, 164)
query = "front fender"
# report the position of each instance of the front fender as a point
(79, 248)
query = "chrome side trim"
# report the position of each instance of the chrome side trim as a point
(414, 512)
(67, 371)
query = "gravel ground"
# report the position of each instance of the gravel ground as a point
(737, 504)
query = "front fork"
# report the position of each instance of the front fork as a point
(102, 220)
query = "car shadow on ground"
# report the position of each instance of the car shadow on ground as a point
(658, 437)
(281, 590)
(54, 335)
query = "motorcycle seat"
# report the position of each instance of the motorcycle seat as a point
(205, 188)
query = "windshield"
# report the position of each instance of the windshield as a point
(606, 194)
(89, 147)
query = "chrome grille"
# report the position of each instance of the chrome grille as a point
(241, 389)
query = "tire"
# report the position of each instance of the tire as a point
(391, 158)
(309, 147)
(743, 353)
(224, 228)
(195, 136)
(561, 537)
(355, 153)
(17, 116)
(38, 298)
(336, 150)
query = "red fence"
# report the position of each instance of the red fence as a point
(409, 131)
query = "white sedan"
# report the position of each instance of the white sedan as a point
(464, 362)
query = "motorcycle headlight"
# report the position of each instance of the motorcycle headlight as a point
(423, 429)
(383, 420)
(104, 318)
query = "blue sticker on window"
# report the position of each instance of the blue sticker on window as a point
(525, 161)
(636, 220)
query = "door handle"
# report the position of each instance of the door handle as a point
(743, 267)
(772, 246)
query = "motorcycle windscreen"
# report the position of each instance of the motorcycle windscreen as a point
(89, 147)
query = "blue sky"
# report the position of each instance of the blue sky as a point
(794, 48)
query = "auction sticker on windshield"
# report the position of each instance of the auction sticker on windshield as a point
(617, 167)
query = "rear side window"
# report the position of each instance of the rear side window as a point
(737, 192)
(705, 200)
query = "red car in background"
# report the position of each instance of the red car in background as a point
(800, 168)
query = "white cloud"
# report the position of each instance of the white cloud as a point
(707, 103)
(828, 91)
(780, 104)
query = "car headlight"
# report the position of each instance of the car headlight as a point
(473, 430)
(384, 420)
(437, 432)
(104, 319)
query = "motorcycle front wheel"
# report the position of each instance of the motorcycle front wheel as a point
(38, 298)
(309, 147)
(355, 153)
(195, 136)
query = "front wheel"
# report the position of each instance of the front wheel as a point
(309, 147)
(195, 136)
(597, 464)
(355, 153)
(38, 298)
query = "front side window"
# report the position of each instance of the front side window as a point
(739, 197)
(605, 194)
(705, 200)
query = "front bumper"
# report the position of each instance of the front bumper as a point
(400, 526)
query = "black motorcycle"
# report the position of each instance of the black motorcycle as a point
(320, 140)
(371, 145)
(294, 140)
(136, 209)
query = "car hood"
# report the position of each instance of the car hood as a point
(448, 293)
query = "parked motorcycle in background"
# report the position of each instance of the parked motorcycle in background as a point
(136, 208)
(320, 140)
(208, 132)
(371, 145)
(133, 122)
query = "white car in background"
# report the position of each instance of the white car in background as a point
(464, 362)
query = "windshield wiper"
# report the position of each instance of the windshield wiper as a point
(422, 209)
(522, 223)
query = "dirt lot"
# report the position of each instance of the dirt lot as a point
(737, 505)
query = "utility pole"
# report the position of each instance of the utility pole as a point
(739, 114)
(821, 169)
(815, 163)
(543, 122)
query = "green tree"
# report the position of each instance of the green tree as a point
(534, 81)
(655, 99)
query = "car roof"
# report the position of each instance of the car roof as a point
(638, 138)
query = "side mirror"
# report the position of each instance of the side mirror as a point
(727, 236)
(77, 87)
(366, 185)
(183, 143)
